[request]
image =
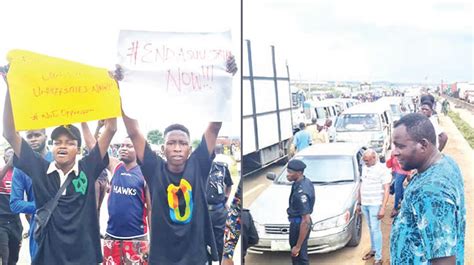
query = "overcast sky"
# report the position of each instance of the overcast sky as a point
(87, 32)
(398, 41)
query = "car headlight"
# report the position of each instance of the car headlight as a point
(337, 221)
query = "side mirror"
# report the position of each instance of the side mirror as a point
(271, 176)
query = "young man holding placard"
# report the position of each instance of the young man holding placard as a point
(181, 230)
(71, 236)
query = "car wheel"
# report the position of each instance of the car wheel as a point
(356, 232)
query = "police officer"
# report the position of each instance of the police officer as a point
(299, 213)
(218, 190)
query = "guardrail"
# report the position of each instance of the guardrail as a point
(460, 103)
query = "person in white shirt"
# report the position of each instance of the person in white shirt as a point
(373, 197)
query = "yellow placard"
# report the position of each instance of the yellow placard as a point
(47, 91)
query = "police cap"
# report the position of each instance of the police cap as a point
(296, 165)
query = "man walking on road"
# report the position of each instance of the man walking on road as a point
(301, 205)
(430, 227)
(373, 197)
(302, 138)
(426, 109)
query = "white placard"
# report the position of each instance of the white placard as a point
(179, 74)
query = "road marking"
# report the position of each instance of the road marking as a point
(252, 190)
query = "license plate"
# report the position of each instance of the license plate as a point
(280, 245)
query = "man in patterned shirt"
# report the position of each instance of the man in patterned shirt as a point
(430, 226)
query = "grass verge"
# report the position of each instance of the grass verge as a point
(465, 129)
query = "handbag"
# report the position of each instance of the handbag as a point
(43, 214)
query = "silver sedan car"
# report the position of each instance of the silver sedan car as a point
(335, 171)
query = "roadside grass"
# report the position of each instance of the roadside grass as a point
(466, 130)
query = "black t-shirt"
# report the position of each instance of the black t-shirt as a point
(301, 198)
(181, 229)
(219, 178)
(72, 234)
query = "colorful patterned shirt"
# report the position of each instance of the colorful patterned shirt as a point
(232, 225)
(432, 219)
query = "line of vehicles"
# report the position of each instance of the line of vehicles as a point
(335, 168)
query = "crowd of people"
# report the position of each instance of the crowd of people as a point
(171, 210)
(429, 215)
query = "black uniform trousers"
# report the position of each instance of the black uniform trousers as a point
(218, 219)
(302, 258)
(10, 240)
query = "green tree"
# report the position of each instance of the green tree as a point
(195, 144)
(155, 137)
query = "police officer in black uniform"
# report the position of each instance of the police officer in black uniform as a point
(299, 213)
(218, 190)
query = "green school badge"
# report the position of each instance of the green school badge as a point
(80, 183)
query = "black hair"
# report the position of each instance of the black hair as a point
(429, 98)
(302, 125)
(418, 126)
(176, 127)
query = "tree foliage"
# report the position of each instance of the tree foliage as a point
(155, 137)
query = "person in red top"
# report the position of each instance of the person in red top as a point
(399, 176)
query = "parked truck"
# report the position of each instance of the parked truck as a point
(266, 109)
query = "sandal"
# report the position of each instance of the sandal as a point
(369, 255)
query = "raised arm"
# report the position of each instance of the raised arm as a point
(211, 134)
(91, 141)
(106, 137)
(137, 137)
(9, 132)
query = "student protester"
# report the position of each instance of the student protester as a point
(181, 230)
(21, 184)
(102, 184)
(128, 206)
(72, 234)
(301, 204)
(373, 196)
(218, 190)
(430, 227)
(10, 223)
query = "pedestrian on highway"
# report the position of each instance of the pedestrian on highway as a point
(373, 196)
(21, 185)
(426, 109)
(302, 138)
(218, 190)
(430, 227)
(301, 203)
(398, 177)
(10, 223)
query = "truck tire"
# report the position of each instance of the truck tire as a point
(356, 231)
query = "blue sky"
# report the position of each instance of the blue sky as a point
(398, 41)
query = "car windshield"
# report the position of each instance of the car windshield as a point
(325, 169)
(357, 122)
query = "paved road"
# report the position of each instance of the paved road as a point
(456, 147)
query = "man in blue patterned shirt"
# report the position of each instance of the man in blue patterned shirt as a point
(432, 220)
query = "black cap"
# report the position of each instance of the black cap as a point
(296, 165)
(72, 130)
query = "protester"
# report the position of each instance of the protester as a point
(74, 222)
(430, 227)
(301, 205)
(10, 223)
(21, 184)
(102, 184)
(181, 230)
(128, 206)
(373, 196)
(218, 190)
(249, 232)
(426, 109)
(399, 175)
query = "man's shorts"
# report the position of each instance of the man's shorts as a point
(117, 252)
